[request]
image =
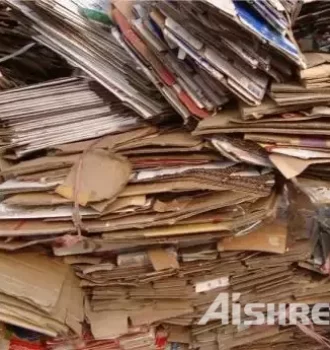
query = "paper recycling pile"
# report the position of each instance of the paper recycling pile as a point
(154, 155)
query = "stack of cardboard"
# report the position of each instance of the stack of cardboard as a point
(292, 126)
(176, 47)
(290, 129)
(128, 184)
(201, 53)
(59, 111)
(62, 27)
(154, 221)
(151, 205)
(175, 284)
(41, 294)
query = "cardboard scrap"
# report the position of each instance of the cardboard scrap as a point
(172, 212)
(162, 259)
(107, 325)
(269, 238)
(102, 175)
(42, 294)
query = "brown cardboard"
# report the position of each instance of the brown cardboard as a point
(36, 199)
(38, 281)
(149, 315)
(120, 203)
(20, 322)
(102, 175)
(13, 228)
(267, 107)
(179, 334)
(218, 120)
(110, 142)
(162, 259)
(12, 244)
(268, 238)
(173, 139)
(21, 310)
(39, 165)
(106, 324)
(291, 167)
(47, 176)
(317, 66)
(314, 59)
(180, 184)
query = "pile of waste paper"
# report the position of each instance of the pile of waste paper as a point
(164, 175)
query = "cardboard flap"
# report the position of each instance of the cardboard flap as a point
(162, 259)
(98, 175)
(269, 238)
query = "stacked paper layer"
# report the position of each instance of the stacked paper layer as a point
(40, 294)
(202, 53)
(64, 110)
(155, 216)
(142, 178)
(60, 26)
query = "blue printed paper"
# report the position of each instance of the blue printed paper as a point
(261, 27)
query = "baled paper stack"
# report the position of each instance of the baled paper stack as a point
(292, 127)
(129, 183)
(153, 200)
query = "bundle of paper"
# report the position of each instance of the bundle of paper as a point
(150, 205)
(317, 73)
(295, 138)
(301, 151)
(291, 94)
(304, 122)
(269, 279)
(40, 294)
(313, 88)
(157, 284)
(62, 27)
(164, 183)
(193, 49)
(153, 222)
(59, 111)
(244, 338)
(22, 61)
